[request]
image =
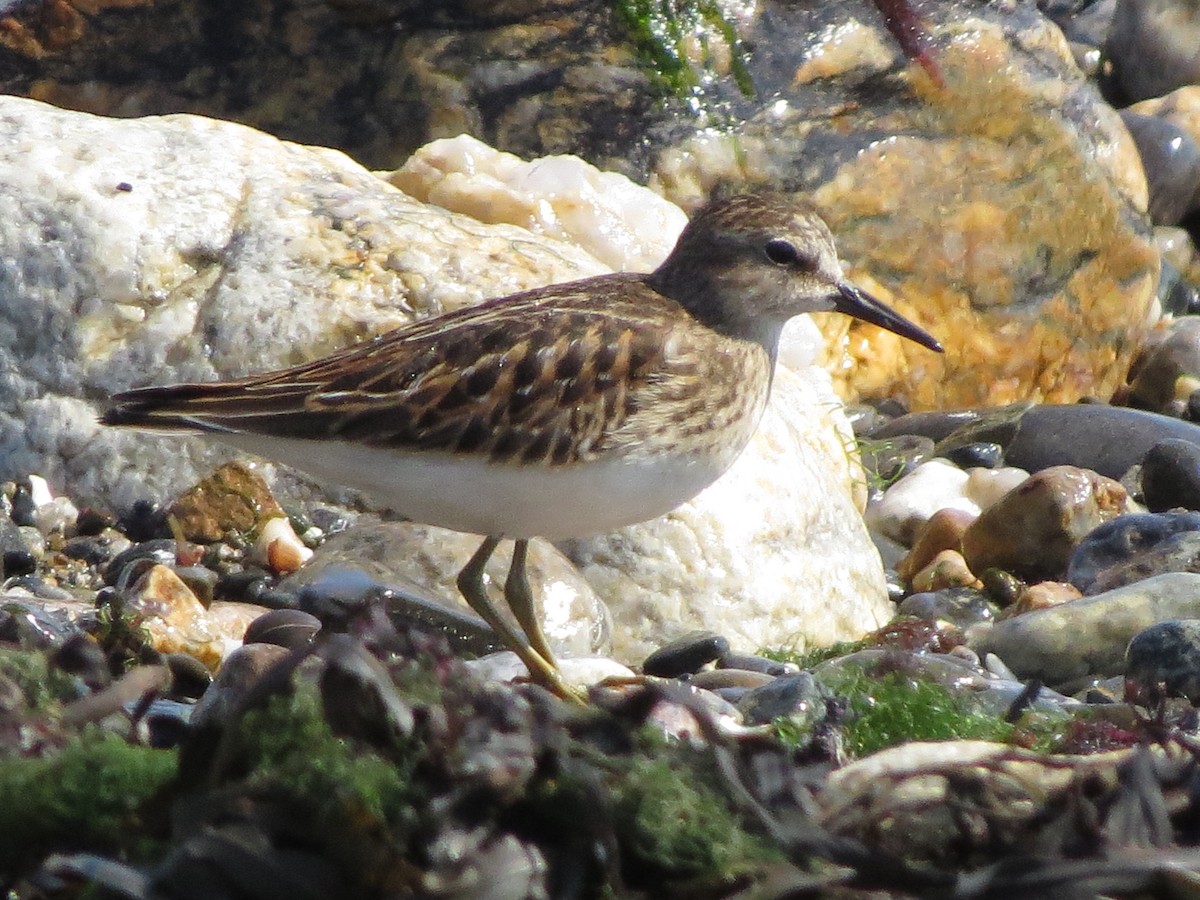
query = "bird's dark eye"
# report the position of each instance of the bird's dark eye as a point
(785, 253)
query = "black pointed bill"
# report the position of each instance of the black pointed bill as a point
(855, 302)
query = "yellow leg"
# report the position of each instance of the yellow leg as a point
(470, 583)
(520, 601)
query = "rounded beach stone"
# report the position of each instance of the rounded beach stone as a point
(685, 654)
(946, 570)
(762, 664)
(1033, 529)
(943, 531)
(1115, 544)
(1172, 360)
(288, 628)
(1153, 46)
(1174, 553)
(235, 679)
(1164, 660)
(582, 671)
(1105, 439)
(1088, 637)
(912, 501)
(429, 559)
(233, 499)
(800, 696)
(1042, 595)
(1171, 159)
(962, 607)
(1171, 476)
(979, 454)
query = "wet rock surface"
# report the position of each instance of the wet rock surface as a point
(1121, 543)
(1033, 529)
(1089, 636)
(1164, 661)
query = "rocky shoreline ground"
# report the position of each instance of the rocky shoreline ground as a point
(331, 698)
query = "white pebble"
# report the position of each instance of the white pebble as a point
(986, 486)
(582, 671)
(39, 491)
(936, 485)
(279, 547)
(909, 503)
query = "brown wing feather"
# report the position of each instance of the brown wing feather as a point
(539, 376)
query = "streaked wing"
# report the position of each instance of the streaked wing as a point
(544, 375)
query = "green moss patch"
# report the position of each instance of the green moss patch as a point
(44, 688)
(92, 796)
(289, 747)
(661, 29)
(672, 822)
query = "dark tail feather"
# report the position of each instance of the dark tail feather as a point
(160, 408)
(229, 407)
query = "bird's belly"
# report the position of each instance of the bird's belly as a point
(473, 495)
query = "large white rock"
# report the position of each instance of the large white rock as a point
(180, 248)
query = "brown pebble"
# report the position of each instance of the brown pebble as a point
(948, 569)
(1042, 595)
(232, 500)
(942, 531)
(1033, 529)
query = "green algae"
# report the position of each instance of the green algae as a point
(895, 709)
(661, 30)
(44, 688)
(92, 795)
(288, 747)
(672, 821)
(886, 710)
(806, 659)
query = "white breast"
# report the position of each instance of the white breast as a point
(472, 495)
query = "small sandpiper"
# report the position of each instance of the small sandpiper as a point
(561, 412)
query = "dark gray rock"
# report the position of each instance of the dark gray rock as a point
(288, 628)
(1171, 159)
(1171, 475)
(1164, 660)
(1176, 553)
(938, 425)
(1106, 439)
(1152, 45)
(977, 454)
(756, 664)
(791, 695)
(1121, 541)
(685, 655)
(340, 590)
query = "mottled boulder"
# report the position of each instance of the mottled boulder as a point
(1002, 204)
